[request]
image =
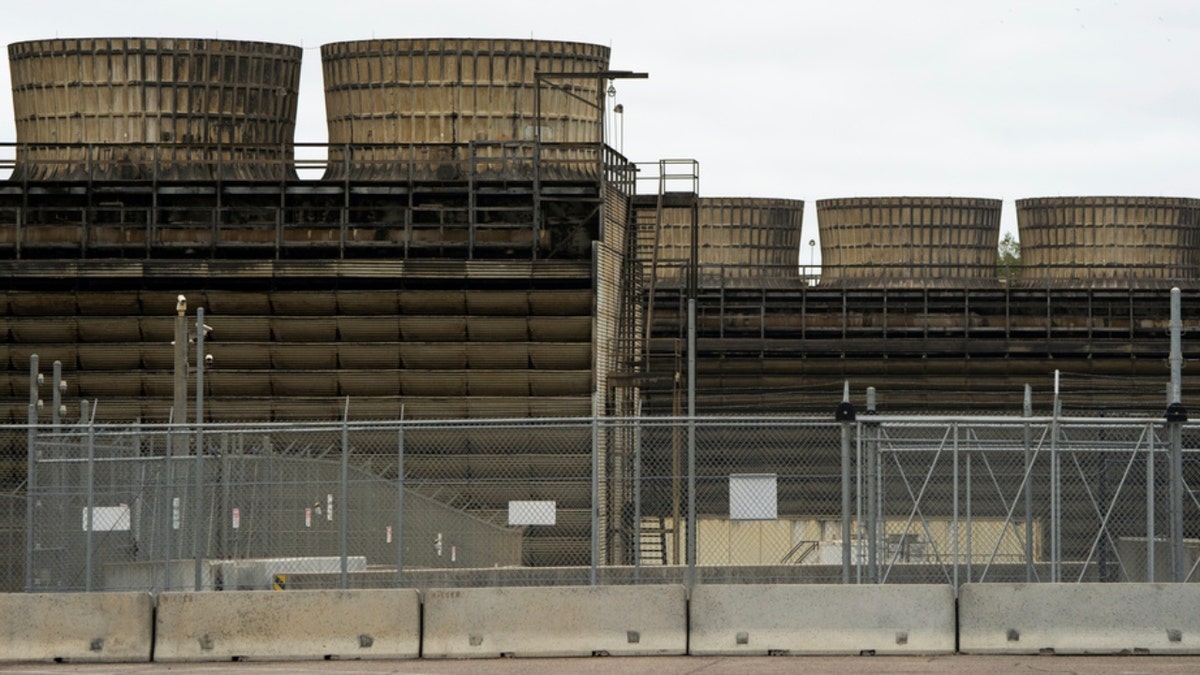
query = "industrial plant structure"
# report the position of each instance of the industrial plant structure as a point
(475, 249)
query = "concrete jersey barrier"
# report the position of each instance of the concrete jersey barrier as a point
(76, 627)
(288, 625)
(822, 619)
(1079, 618)
(555, 621)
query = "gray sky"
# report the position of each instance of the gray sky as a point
(800, 99)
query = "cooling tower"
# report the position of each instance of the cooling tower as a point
(909, 242)
(742, 242)
(139, 108)
(1134, 242)
(401, 108)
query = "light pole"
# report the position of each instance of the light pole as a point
(179, 406)
(619, 110)
(812, 251)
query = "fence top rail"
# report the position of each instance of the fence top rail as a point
(1013, 420)
(525, 422)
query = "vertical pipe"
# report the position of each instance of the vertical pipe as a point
(91, 507)
(691, 450)
(1176, 355)
(344, 501)
(31, 470)
(400, 505)
(1027, 411)
(595, 519)
(1176, 415)
(1150, 534)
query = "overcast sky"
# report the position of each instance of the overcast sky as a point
(798, 99)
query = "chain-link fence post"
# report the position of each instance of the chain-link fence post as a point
(1176, 416)
(970, 511)
(166, 495)
(954, 560)
(1027, 441)
(400, 505)
(871, 431)
(1055, 493)
(31, 470)
(1150, 501)
(691, 411)
(197, 514)
(343, 517)
(595, 501)
(845, 414)
(56, 395)
(637, 499)
(91, 507)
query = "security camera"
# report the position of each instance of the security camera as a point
(180, 304)
(208, 359)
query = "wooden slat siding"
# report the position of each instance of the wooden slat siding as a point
(365, 384)
(555, 302)
(227, 355)
(401, 92)
(302, 357)
(375, 304)
(295, 365)
(303, 303)
(417, 355)
(41, 329)
(896, 242)
(742, 240)
(498, 355)
(210, 103)
(303, 329)
(1113, 242)
(382, 328)
(561, 356)
(105, 356)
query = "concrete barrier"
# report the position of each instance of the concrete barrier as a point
(555, 621)
(1079, 618)
(822, 619)
(76, 627)
(288, 625)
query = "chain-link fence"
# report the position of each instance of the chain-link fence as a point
(646, 500)
(1048, 500)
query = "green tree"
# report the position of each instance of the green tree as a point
(1008, 263)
